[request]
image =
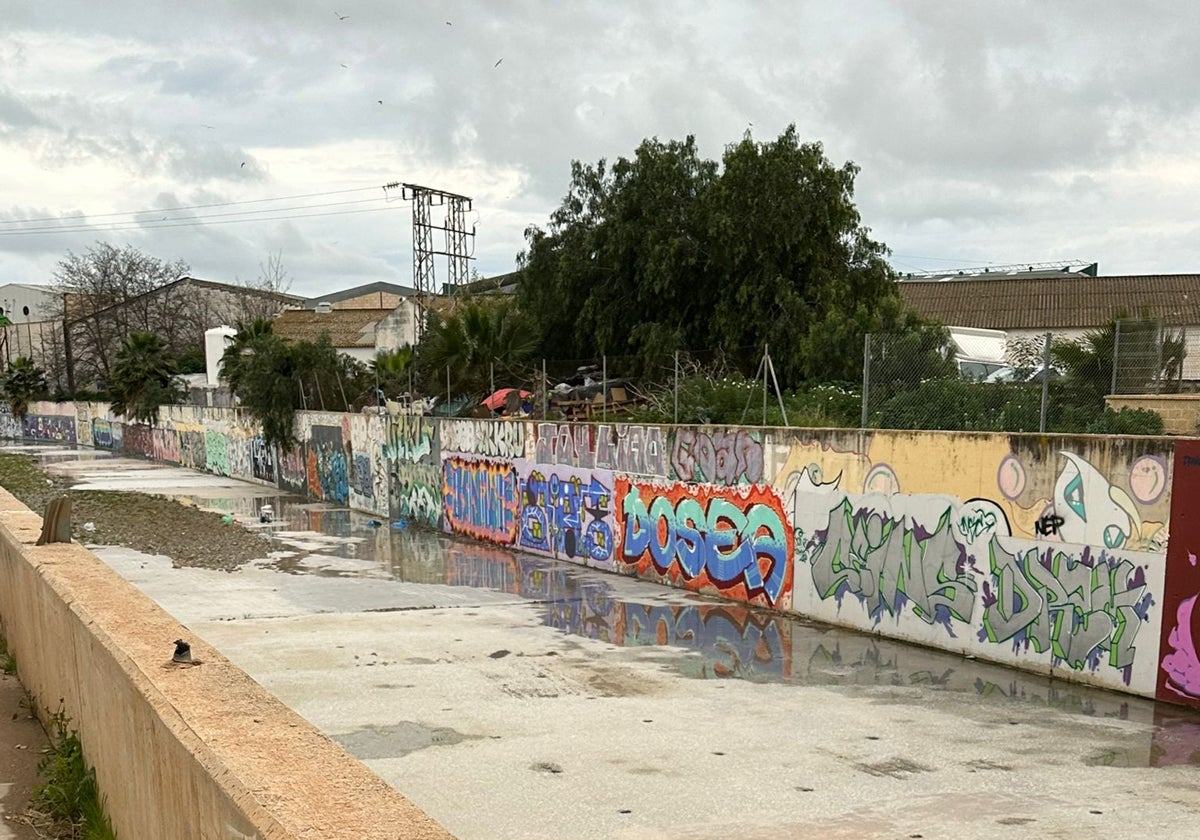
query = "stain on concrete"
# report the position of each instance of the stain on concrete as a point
(399, 739)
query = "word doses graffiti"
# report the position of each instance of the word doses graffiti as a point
(731, 540)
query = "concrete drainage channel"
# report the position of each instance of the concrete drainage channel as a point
(513, 697)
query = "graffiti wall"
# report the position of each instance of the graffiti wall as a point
(1067, 555)
(1043, 553)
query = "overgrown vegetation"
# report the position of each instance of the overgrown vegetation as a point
(69, 795)
(482, 338)
(274, 378)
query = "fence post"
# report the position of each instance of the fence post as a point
(447, 390)
(676, 415)
(764, 370)
(545, 392)
(492, 377)
(604, 388)
(1159, 331)
(1045, 383)
(866, 389)
(1116, 354)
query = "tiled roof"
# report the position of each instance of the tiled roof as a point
(346, 327)
(1036, 303)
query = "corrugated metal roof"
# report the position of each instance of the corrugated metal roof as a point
(1036, 303)
(346, 327)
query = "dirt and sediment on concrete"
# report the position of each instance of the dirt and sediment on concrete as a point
(148, 523)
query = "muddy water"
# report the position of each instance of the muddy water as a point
(699, 638)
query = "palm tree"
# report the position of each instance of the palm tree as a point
(234, 360)
(143, 378)
(481, 337)
(23, 382)
(392, 370)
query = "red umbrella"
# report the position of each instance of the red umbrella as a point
(497, 400)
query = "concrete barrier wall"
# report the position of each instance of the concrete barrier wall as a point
(1047, 553)
(180, 752)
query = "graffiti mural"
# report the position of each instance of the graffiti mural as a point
(102, 436)
(410, 437)
(192, 449)
(1083, 610)
(729, 457)
(875, 549)
(262, 459)
(137, 440)
(292, 470)
(51, 427)
(1178, 674)
(568, 513)
(216, 453)
(328, 464)
(635, 450)
(361, 481)
(734, 541)
(491, 438)
(416, 493)
(480, 498)
(1093, 511)
(164, 444)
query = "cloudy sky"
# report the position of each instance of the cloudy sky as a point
(986, 132)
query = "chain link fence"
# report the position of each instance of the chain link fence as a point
(987, 380)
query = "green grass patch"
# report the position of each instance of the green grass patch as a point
(68, 794)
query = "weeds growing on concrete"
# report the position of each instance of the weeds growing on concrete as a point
(69, 795)
(8, 659)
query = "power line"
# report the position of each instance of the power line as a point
(121, 226)
(191, 206)
(77, 226)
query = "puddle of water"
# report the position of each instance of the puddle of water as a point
(700, 638)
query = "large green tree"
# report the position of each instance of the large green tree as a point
(669, 250)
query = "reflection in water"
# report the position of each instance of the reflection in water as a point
(721, 639)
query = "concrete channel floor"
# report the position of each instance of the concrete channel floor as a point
(515, 697)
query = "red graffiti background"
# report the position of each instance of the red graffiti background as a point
(771, 535)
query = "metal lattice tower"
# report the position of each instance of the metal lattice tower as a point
(460, 242)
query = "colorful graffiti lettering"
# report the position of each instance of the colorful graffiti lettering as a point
(887, 559)
(702, 537)
(568, 513)
(480, 498)
(635, 450)
(362, 481)
(1077, 608)
(409, 438)
(730, 457)
(328, 467)
(293, 470)
(50, 427)
(490, 438)
(416, 493)
(102, 436)
(216, 453)
(1181, 665)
